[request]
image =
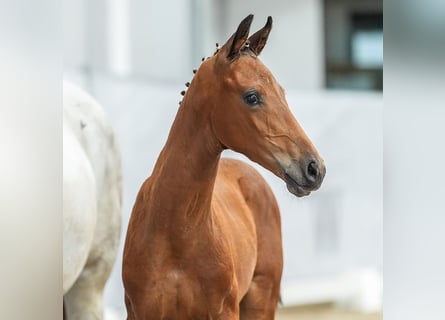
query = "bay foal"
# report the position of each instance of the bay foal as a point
(204, 238)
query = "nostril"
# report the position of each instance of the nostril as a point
(312, 170)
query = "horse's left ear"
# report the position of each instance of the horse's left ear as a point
(258, 40)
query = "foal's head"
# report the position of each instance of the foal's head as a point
(248, 111)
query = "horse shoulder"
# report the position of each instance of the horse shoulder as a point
(244, 205)
(264, 208)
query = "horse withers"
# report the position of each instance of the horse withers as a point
(204, 238)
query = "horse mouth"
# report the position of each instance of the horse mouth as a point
(294, 187)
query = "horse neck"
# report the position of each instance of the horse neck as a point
(185, 173)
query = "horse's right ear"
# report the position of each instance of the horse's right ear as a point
(258, 40)
(232, 47)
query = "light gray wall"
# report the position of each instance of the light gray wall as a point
(294, 52)
(85, 42)
(160, 39)
(166, 39)
(74, 29)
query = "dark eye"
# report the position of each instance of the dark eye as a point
(252, 98)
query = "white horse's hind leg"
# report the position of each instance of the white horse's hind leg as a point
(88, 121)
(85, 298)
(79, 208)
(83, 290)
(84, 301)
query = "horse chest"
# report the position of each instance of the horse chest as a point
(185, 294)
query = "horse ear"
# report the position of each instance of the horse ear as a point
(239, 38)
(258, 40)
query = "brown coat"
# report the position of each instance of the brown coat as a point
(204, 238)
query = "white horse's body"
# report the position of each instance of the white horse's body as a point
(91, 203)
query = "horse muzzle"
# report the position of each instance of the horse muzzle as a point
(303, 177)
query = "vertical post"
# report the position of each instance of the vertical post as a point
(118, 44)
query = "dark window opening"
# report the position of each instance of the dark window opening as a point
(354, 45)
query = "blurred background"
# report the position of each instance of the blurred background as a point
(134, 57)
